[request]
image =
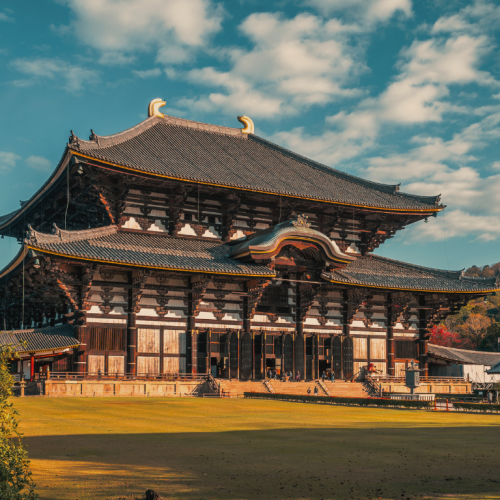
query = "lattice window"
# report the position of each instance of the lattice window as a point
(106, 339)
(405, 349)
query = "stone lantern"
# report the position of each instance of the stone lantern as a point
(412, 377)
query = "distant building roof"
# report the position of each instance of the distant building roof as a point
(494, 369)
(378, 272)
(108, 245)
(40, 339)
(464, 356)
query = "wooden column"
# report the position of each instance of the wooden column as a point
(315, 373)
(345, 330)
(390, 337)
(228, 347)
(252, 334)
(194, 350)
(209, 351)
(32, 368)
(80, 361)
(263, 339)
(131, 334)
(283, 353)
(303, 374)
(294, 369)
(422, 338)
(238, 355)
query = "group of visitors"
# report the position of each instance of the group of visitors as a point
(288, 376)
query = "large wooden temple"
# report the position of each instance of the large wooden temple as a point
(182, 247)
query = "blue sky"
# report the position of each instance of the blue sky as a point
(390, 90)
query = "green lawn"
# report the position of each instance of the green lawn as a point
(254, 449)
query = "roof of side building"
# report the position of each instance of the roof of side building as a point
(464, 356)
(40, 339)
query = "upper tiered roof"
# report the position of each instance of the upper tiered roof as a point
(190, 151)
(222, 156)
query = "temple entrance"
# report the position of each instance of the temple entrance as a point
(246, 356)
(288, 347)
(324, 366)
(337, 357)
(347, 358)
(299, 356)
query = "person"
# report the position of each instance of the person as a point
(308, 390)
(333, 376)
(323, 375)
(316, 390)
(275, 375)
(270, 374)
(297, 378)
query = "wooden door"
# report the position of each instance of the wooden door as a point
(337, 357)
(233, 347)
(95, 363)
(246, 356)
(299, 355)
(116, 365)
(347, 358)
(288, 347)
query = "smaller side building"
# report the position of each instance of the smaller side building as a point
(39, 348)
(472, 365)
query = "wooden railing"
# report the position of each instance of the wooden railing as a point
(173, 377)
(402, 380)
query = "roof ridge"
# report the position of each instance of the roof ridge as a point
(384, 188)
(103, 141)
(34, 237)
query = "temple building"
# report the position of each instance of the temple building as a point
(182, 247)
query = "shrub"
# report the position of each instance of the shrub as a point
(16, 482)
(336, 400)
(477, 407)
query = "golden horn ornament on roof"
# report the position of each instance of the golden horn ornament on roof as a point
(249, 126)
(154, 106)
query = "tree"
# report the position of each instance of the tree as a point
(474, 328)
(440, 335)
(490, 342)
(16, 482)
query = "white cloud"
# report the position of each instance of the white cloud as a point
(475, 18)
(294, 63)
(148, 73)
(366, 11)
(120, 28)
(39, 163)
(6, 18)
(8, 161)
(71, 77)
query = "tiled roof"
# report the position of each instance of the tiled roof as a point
(223, 156)
(379, 272)
(268, 240)
(494, 369)
(40, 339)
(144, 250)
(463, 356)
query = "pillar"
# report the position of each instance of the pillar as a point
(131, 334)
(209, 351)
(315, 373)
(32, 368)
(80, 353)
(346, 331)
(390, 338)
(252, 335)
(194, 350)
(263, 339)
(283, 353)
(238, 355)
(422, 340)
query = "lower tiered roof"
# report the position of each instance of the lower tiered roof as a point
(109, 245)
(378, 272)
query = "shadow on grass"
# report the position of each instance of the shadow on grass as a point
(293, 463)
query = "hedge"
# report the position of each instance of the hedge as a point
(477, 406)
(336, 400)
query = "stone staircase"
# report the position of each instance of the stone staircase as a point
(235, 388)
(343, 389)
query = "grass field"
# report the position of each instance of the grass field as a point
(254, 449)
